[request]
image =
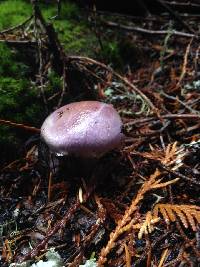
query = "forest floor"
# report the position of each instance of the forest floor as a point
(139, 205)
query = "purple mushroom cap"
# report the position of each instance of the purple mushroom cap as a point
(86, 129)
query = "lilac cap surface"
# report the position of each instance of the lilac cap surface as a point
(85, 129)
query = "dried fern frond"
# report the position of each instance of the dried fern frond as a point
(163, 257)
(128, 219)
(158, 184)
(170, 153)
(148, 225)
(128, 256)
(189, 215)
(172, 156)
(121, 225)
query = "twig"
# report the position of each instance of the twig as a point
(59, 225)
(18, 42)
(125, 16)
(53, 43)
(144, 8)
(128, 256)
(167, 116)
(64, 85)
(147, 31)
(125, 81)
(57, 56)
(183, 72)
(182, 4)
(191, 180)
(41, 78)
(176, 16)
(163, 257)
(18, 26)
(196, 64)
(181, 102)
(20, 126)
(93, 231)
(96, 30)
(154, 245)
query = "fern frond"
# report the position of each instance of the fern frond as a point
(172, 156)
(158, 184)
(170, 153)
(129, 219)
(148, 225)
(189, 215)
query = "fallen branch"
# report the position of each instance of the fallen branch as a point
(167, 116)
(147, 31)
(20, 126)
(18, 42)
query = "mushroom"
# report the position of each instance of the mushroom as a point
(86, 129)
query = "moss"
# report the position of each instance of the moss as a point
(55, 82)
(9, 64)
(69, 11)
(19, 103)
(19, 99)
(72, 29)
(16, 94)
(15, 98)
(13, 12)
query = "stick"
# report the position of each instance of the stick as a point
(20, 126)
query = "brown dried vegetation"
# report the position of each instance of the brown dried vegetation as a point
(138, 206)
